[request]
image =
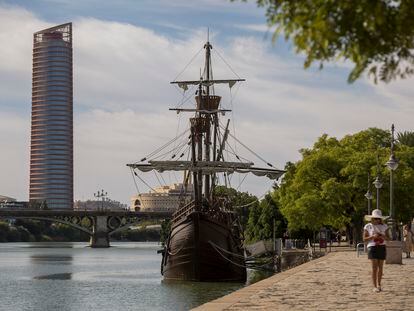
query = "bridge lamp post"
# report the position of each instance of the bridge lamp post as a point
(368, 195)
(392, 165)
(101, 194)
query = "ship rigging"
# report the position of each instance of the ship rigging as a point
(205, 242)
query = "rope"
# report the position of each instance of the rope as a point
(163, 146)
(156, 176)
(228, 65)
(224, 250)
(173, 254)
(229, 260)
(254, 153)
(135, 182)
(245, 205)
(143, 181)
(250, 266)
(189, 96)
(188, 64)
(242, 181)
(179, 147)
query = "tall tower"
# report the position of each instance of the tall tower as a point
(51, 148)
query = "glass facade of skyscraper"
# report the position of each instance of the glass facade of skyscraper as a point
(51, 150)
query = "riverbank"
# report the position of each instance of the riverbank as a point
(337, 281)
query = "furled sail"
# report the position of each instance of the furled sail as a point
(184, 84)
(208, 167)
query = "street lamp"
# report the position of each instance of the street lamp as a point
(377, 183)
(368, 195)
(392, 165)
(101, 194)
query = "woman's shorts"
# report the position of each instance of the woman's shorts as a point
(377, 252)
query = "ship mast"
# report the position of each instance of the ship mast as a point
(207, 141)
(205, 136)
(201, 126)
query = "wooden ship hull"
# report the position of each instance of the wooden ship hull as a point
(204, 247)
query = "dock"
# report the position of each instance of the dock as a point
(337, 281)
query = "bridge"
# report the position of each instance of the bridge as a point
(99, 224)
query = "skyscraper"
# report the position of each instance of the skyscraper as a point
(51, 148)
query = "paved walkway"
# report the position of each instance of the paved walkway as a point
(337, 281)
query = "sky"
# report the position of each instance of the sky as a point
(125, 54)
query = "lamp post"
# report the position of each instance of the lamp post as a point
(101, 194)
(368, 195)
(392, 165)
(377, 183)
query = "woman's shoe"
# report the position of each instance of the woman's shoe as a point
(376, 290)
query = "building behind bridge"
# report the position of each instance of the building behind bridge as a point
(51, 147)
(94, 205)
(165, 198)
(12, 203)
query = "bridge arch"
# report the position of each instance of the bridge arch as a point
(62, 221)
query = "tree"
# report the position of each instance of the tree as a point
(240, 202)
(406, 138)
(327, 187)
(264, 218)
(165, 231)
(376, 36)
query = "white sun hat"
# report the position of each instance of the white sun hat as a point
(376, 213)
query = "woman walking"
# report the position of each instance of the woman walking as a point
(408, 241)
(376, 233)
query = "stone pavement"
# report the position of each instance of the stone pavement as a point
(337, 281)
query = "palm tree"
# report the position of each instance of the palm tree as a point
(406, 138)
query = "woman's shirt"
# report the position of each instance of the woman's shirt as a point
(375, 229)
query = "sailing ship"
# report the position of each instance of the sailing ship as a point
(205, 242)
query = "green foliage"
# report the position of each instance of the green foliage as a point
(240, 202)
(138, 235)
(165, 230)
(327, 187)
(4, 230)
(32, 231)
(406, 138)
(376, 36)
(11, 233)
(264, 218)
(36, 228)
(64, 233)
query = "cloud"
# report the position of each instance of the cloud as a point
(264, 28)
(14, 155)
(122, 95)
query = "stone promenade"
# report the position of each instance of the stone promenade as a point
(337, 281)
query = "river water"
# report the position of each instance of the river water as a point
(72, 276)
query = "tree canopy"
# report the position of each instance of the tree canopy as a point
(406, 138)
(327, 186)
(264, 218)
(376, 36)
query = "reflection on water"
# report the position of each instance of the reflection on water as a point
(196, 293)
(50, 259)
(47, 245)
(254, 276)
(36, 276)
(57, 276)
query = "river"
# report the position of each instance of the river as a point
(73, 276)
